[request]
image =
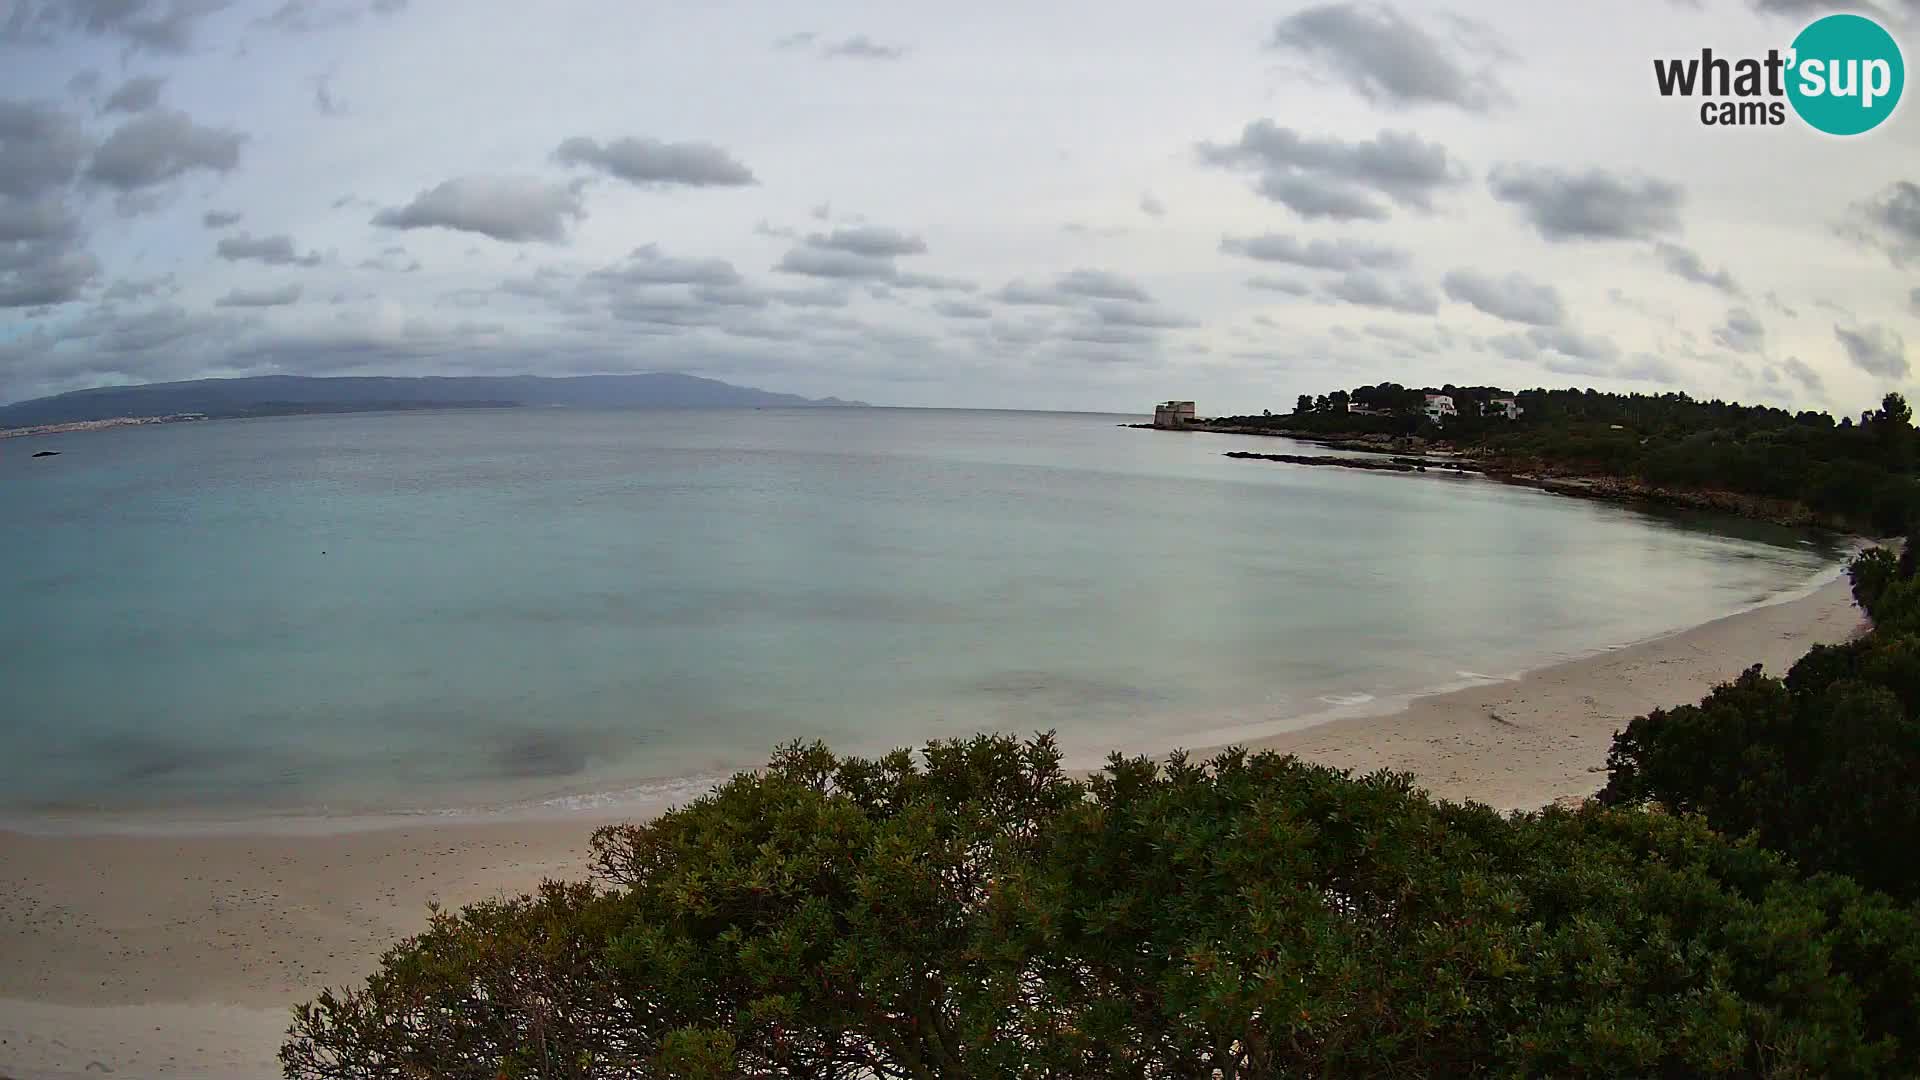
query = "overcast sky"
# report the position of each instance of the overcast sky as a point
(1050, 205)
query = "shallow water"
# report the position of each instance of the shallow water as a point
(346, 614)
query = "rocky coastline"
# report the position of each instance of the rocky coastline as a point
(1413, 454)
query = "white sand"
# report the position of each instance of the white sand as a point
(164, 956)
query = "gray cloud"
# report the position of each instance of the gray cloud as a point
(43, 259)
(652, 163)
(1779, 305)
(1330, 178)
(1913, 301)
(1152, 206)
(1369, 289)
(861, 47)
(963, 309)
(648, 265)
(1570, 352)
(1594, 205)
(829, 263)
(1101, 284)
(275, 250)
(1876, 350)
(306, 17)
(511, 209)
(1142, 314)
(1684, 263)
(1390, 60)
(1340, 254)
(1808, 378)
(1741, 332)
(160, 25)
(1515, 297)
(127, 289)
(1890, 222)
(259, 298)
(138, 94)
(870, 240)
(159, 146)
(41, 148)
(1280, 285)
(220, 219)
(393, 260)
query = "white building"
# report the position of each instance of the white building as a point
(1440, 405)
(1173, 414)
(1501, 406)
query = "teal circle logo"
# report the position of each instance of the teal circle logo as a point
(1846, 74)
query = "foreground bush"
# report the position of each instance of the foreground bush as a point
(1823, 766)
(977, 912)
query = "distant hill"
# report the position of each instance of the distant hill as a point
(283, 394)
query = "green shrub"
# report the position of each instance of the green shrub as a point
(978, 912)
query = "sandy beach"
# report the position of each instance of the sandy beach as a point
(179, 955)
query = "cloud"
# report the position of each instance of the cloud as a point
(648, 265)
(864, 253)
(324, 101)
(393, 260)
(652, 163)
(306, 17)
(1913, 300)
(1876, 350)
(1152, 206)
(861, 47)
(258, 298)
(139, 288)
(1101, 284)
(220, 219)
(1804, 375)
(1389, 60)
(1369, 289)
(871, 240)
(43, 258)
(829, 263)
(1890, 222)
(1339, 254)
(1331, 178)
(159, 25)
(1515, 297)
(963, 309)
(511, 209)
(1773, 301)
(856, 47)
(159, 146)
(41, 148)
(1280, 285)
(1684, 263)
(1741, 333)
(138, 94)
(273, 250)
(1594, 205)
(1140, 314)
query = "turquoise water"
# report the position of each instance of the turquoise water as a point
(347, 614)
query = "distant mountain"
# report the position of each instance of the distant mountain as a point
(283, 394)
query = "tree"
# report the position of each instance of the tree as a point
(1303, 404)
(976, 911)
(1819, 766)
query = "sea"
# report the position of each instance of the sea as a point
(338, 617)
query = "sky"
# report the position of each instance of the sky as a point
(1058, 205)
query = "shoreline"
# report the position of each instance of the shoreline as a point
(179, 954)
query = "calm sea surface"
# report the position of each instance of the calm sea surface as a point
(349, 614)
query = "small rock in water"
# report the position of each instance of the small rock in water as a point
(48, 453)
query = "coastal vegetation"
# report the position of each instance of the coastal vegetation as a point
(1822, 765)
(977, 911)
(1849, 473)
